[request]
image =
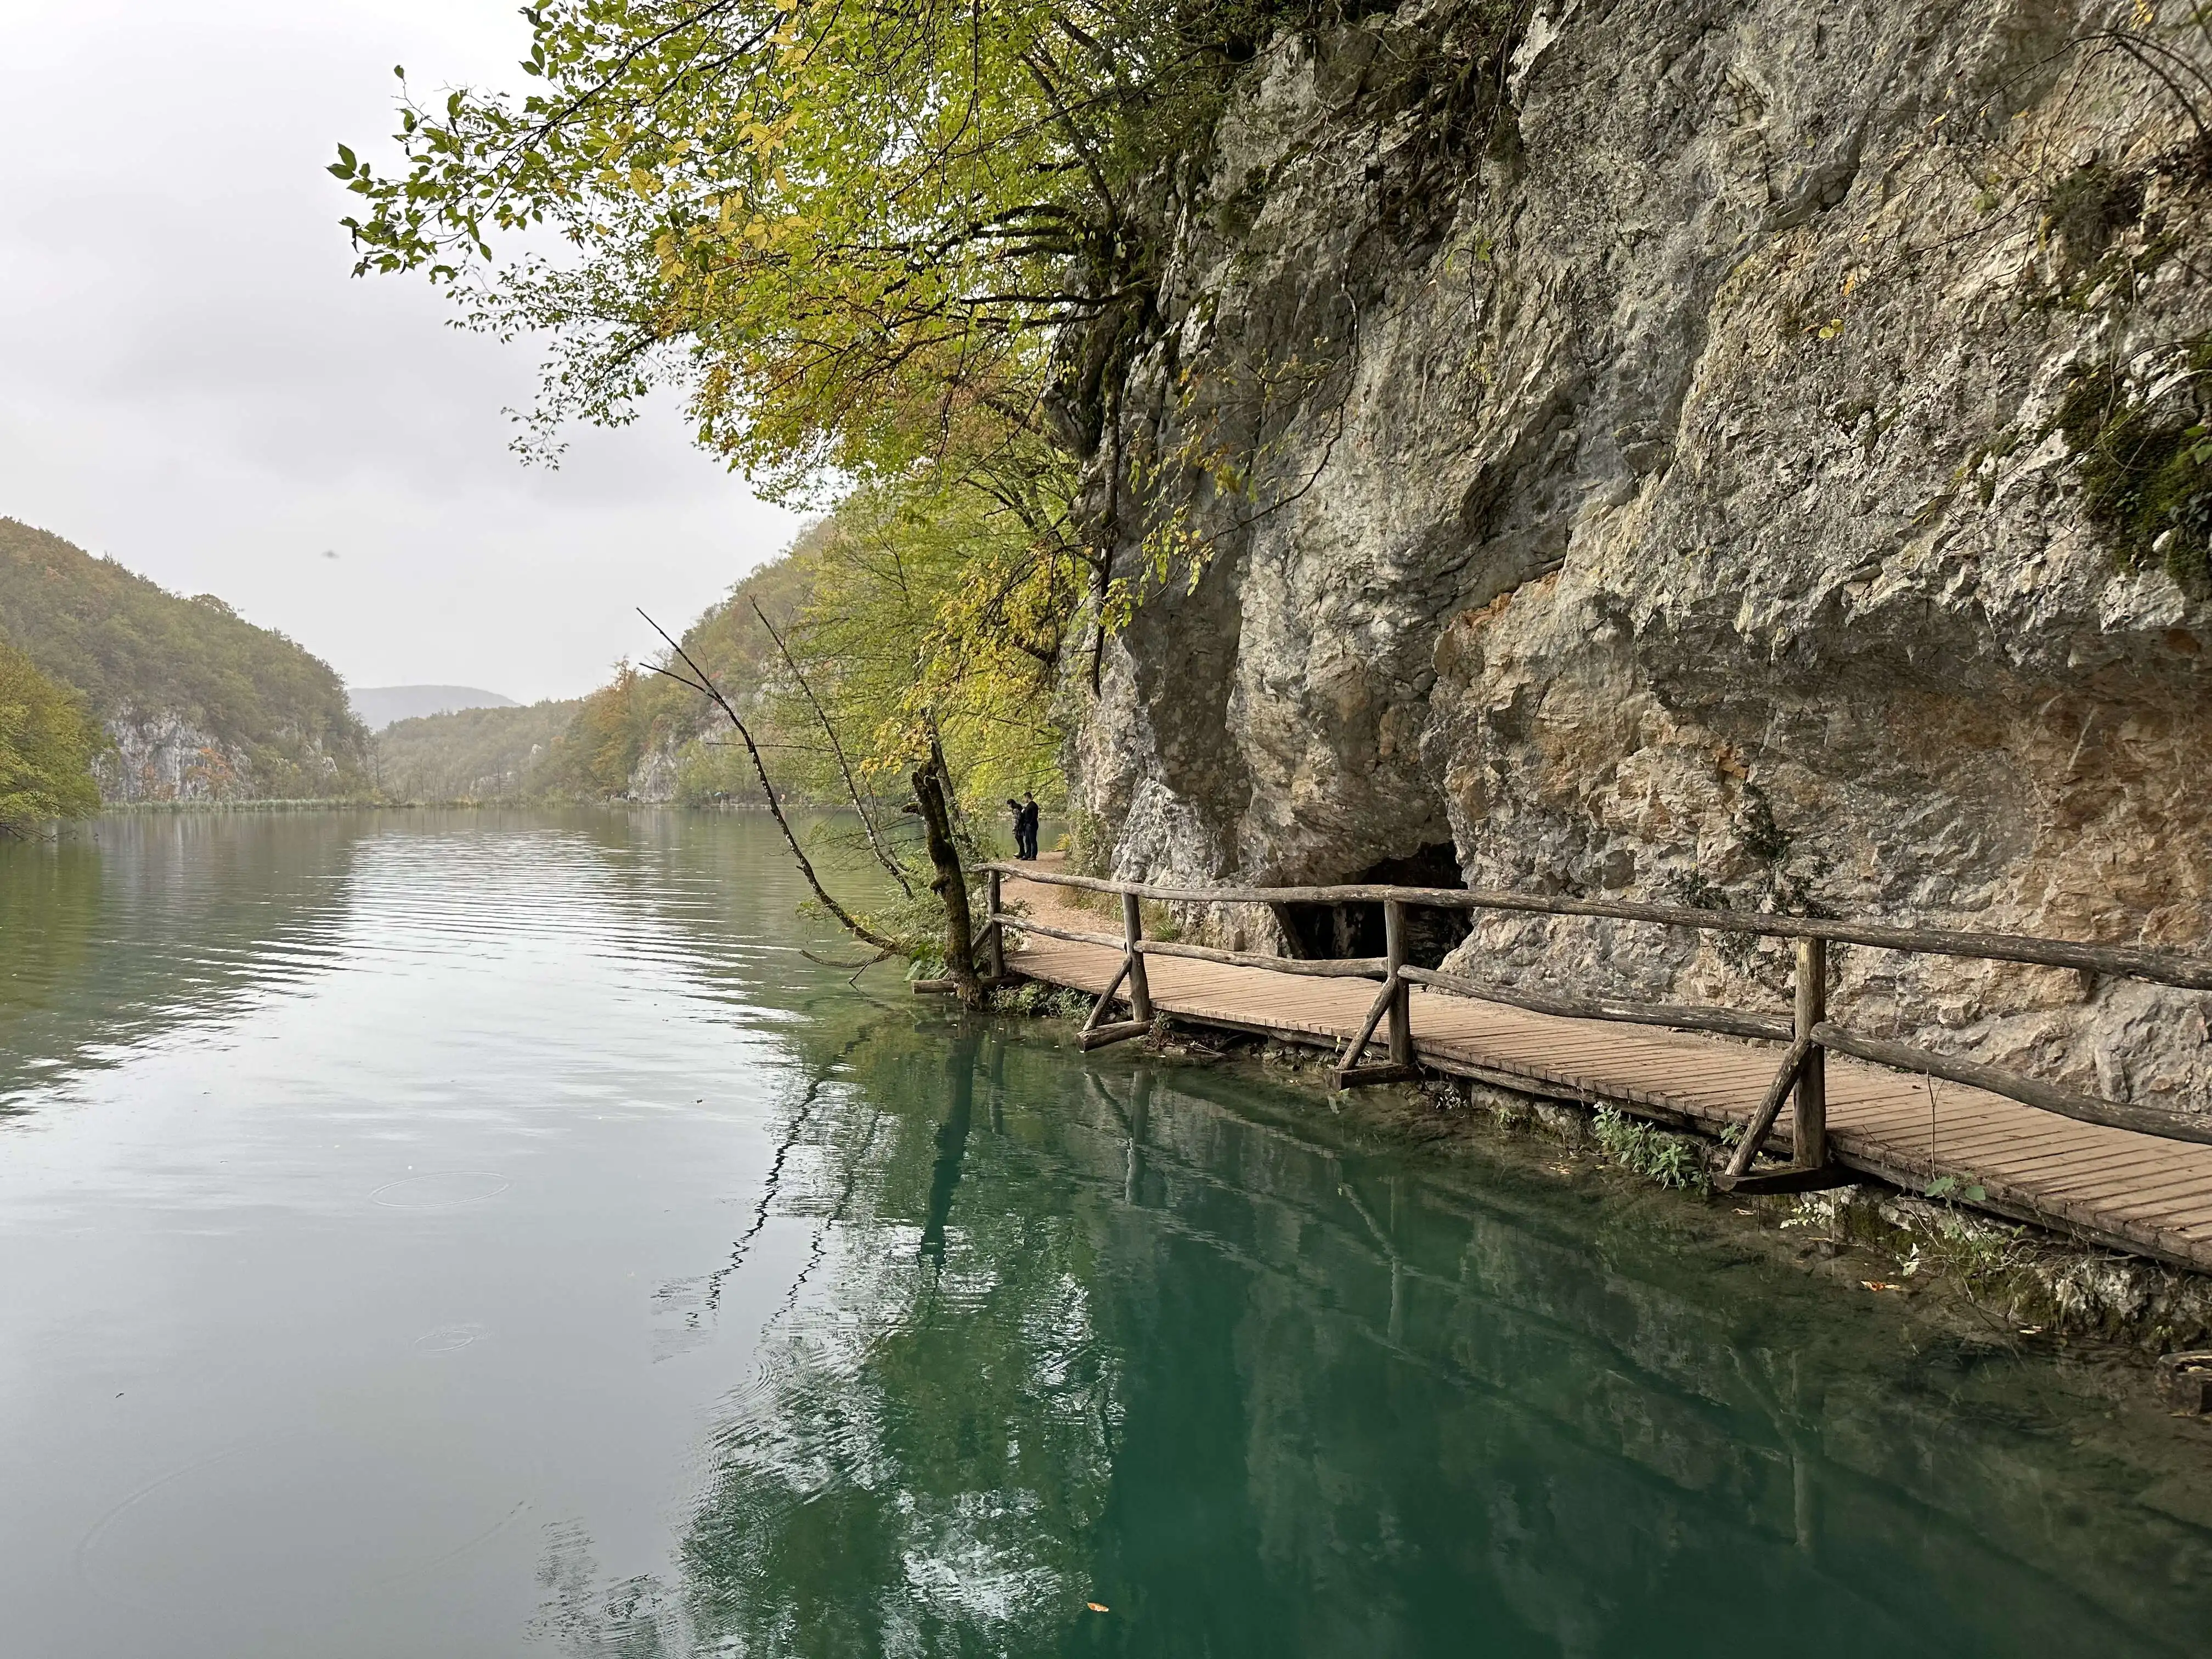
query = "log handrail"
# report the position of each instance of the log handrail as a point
(2050, 1097)
(1725, 1021)
(1321, 968)
(1812, 1031)
(1316, 967)
(1073, 936)
(2118, 961)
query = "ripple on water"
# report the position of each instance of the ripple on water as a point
(448, 1338)
(438, 1189)
(294, 1519)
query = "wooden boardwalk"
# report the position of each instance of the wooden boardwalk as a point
(2132, 1192)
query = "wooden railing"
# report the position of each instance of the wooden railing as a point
(1809, 1034)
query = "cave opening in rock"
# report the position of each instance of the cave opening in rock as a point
(1316, 930)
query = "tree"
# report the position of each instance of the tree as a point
(902, 246)
(47, 743)
(846, 224)
(938, 616)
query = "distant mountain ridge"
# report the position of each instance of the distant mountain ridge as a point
(200, 704)
(380, 705)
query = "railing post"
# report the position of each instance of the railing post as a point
(1140, 989)
(995, 945)
(1809, 1126)
(1401, 1009)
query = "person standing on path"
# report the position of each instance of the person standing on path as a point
(1026, 813)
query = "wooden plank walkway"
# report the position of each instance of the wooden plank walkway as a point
(2132, 1192)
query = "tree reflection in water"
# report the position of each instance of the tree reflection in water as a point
(128, 926)
(1073, 1333)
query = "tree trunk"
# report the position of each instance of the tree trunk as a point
(933, 794)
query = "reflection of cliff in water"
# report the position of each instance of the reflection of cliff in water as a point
(132, 926)
(135, 925)
(1263, 1396)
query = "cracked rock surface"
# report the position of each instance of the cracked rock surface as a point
(1659, 480)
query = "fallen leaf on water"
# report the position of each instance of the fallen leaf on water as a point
(1096, 1606)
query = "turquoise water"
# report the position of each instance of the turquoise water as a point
(487, 1234)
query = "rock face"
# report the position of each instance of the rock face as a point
(163, 756)
(1730, 453)
(657, 778)
(200, 703)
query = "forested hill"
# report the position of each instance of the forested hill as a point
(639, 737)
(201, 704)
(643, 737)
(471, 754)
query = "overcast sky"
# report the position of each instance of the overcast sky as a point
(191, 382)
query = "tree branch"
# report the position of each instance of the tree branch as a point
(844, 768)
(852, 924)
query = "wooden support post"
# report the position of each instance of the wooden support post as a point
(1401, 1008)
(1098, 1031)
(995, 945)
(1348, 1062)
(1140, 989)
(1350, 1074)
(1770, 1108)
(1104, 1005)
(1809, 1125)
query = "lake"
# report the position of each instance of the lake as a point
(487, 1233)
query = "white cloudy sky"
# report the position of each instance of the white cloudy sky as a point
(191, 382)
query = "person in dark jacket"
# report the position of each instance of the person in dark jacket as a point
(1026, 812)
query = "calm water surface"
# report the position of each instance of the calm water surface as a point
(487, 1234)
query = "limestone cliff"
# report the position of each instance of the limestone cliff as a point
(1727, 451)
(200, 704)
(164, 756)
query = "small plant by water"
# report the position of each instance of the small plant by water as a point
(1035, 997)
(1671, 1160)
(1950, 1186)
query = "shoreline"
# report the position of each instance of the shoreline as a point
(2021, 1285)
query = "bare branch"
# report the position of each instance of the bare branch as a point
(852, 924)
(844, 768)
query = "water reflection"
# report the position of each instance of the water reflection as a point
(960, 1053)
(546, 1229)
(133, 925)
(137, 926)
(1111, 1341)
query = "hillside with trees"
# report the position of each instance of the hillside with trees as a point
(200, 703)
(491, 754)
(644, 737)
(380, 706)
(47, 746)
